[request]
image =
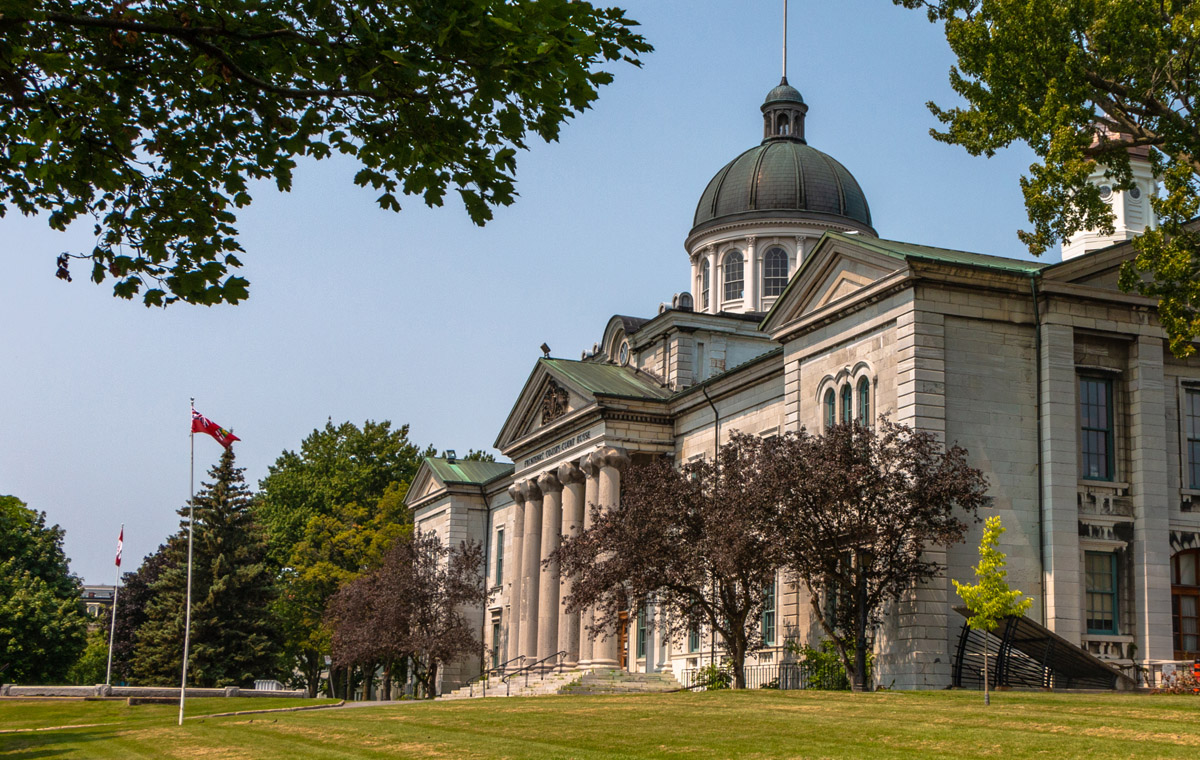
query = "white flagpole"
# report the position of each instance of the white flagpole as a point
(187, 619)
(785, 40)
(112, 631)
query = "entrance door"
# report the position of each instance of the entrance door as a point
(623, 640)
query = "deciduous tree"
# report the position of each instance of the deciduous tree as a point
(990, 600)
(154, 119)
(1080, 82)
(695, 543)
(42, 624)
(858, 507)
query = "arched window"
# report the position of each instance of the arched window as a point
(830, 408)
(775, 271)
(783, 127)
(864, 402)
(1185, 603)
(733, 275)
(704, 276)
(847, 404)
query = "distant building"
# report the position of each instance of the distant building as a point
(799, 315)
(97, 599)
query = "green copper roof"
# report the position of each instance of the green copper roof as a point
(899, 250)
(465, 471)
(607, 379)
(783, 92)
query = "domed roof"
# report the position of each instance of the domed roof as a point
(784, 92)
(782, 178)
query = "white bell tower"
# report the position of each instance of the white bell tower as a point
(1131, 208)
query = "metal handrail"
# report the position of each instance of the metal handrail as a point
(560, 655)
(485, 675)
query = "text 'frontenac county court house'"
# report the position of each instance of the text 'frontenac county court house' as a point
(799, 315)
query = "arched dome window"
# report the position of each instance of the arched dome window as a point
(704, 285)
(864, 402)
(847, 402)
(783, 126)
(775, 271)
(830, 408)
(733, 275)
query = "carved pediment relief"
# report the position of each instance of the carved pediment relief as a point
(555, 402)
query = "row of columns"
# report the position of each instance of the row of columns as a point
(545, 508)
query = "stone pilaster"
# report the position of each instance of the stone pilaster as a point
(611, 461)
(548, 610)
(715, 291)
(751, 273)
(591, 472)
(573, 506)
(1148, 484)
(1061, 560)
(516, 529)
(530, 566)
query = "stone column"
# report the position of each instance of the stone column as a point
(591, 472)
(573, 504)
(530, 566)
(750, 293)
(611, 461)
(715, 291)
(516, 529)
(547, 641)
(1148, 480)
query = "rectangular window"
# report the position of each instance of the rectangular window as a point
(641, 633)
(499, 556)
(1191, 411)
(1096, 428)
(1101, 570)
(694, 639)
(768, 617)
(496, 636)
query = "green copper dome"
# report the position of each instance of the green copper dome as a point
(783, 178)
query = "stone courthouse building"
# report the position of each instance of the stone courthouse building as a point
(798, 314)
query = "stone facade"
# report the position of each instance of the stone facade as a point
(1057, 383)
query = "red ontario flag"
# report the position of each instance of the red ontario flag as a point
(202, 424)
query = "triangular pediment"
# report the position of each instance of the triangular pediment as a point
(546, 398)
(425, 483)
(1099, 269)
(835, 271)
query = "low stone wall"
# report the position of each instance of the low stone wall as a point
(101, 690)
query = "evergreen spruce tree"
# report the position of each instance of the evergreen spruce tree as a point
(233, 640)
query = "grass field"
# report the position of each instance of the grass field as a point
(751, 724)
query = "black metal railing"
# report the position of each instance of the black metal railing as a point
(540, 666)
(784, 675)
(483, 677)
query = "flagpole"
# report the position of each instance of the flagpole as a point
(187, 620)
(112, 631)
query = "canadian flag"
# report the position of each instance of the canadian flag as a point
(120, 545)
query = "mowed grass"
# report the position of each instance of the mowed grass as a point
(751, 724)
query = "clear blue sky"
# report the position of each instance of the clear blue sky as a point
(421, 317)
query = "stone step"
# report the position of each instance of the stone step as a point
(592, 682)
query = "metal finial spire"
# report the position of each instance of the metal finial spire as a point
(785, 40)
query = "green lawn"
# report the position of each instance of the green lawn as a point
(751, 724)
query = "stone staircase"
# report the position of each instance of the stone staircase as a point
(573, 682)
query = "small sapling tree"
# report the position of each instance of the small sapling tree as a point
(990, 600)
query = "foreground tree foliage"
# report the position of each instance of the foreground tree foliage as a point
(331, 512)
(695, 544)
(411, 607)
(1049, 73)
(858, 508)
(42, 625)
(990, 599)
(154, 118)
(234, 638)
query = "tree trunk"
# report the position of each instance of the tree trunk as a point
(860, 634)
(431, 682)
(387, 681)
(738, 662)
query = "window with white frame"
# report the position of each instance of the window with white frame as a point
(847, 404)
(775, 271)
(864, 401)
(734, 275)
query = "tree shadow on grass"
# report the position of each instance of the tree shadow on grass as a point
(44, 744)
